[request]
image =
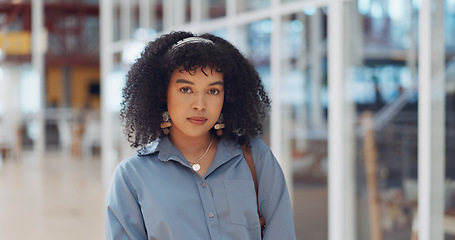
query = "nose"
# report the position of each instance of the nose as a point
(199, 102)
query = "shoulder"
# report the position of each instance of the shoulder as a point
(150, 149)
(262, 154)
(259, 147)
(140, 159)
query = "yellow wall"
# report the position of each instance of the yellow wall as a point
(81, 78)
(54, 87)
(15, 43)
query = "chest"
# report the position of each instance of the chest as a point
(178, 197)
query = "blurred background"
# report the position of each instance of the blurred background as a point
(362, 121)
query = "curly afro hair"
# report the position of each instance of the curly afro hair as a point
(246, 103)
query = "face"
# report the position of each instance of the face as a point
(194, 101)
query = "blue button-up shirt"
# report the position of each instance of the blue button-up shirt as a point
(155, 194)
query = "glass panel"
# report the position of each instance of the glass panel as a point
(213, 9)
(187, 10)
(29, 91)
(221, 32)
(286, 1)
(116, 22)
(303, 91)
(156, 15)
(14, 107)
(449, 33)
(253, 40)
(248, 5)
(135, 21)
(381, 86)
(135, 16)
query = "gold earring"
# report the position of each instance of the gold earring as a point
(166, 122)
(219, 125)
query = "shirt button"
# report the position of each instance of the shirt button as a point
(203, 185)
(211, 215)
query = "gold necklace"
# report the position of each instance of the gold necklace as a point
(196, 167)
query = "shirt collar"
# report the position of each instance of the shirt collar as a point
(161, 145)
(149, 149)
(225, 152)
(167, 151)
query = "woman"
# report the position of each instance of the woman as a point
(189, 104)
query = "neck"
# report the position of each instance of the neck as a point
(191, 146)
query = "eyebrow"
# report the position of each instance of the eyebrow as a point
(189, 82)
(216, 83)
(184, 81)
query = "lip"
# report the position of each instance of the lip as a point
(197, 120)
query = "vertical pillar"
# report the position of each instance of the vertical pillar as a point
(196, 11)
(14, 110)
(431, 120)
(233, 36)
(153, 15)
(108, 154)
(144, 14)
(205, 9)
(38, 66)
(276, 136)
(302, 63)
(179, 12)
(351, 57)
(335, 113)
(341, 175)
(316, 26)
(125, 18)
(168, 19)
(275, 71)
(411, 54)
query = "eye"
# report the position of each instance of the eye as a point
(186, 90)
(214, 91)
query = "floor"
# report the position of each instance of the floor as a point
(311, 212)
(63, 198)
(57, 198)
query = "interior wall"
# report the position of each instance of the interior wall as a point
(84, 89)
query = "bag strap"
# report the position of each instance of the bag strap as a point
(249, 160)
